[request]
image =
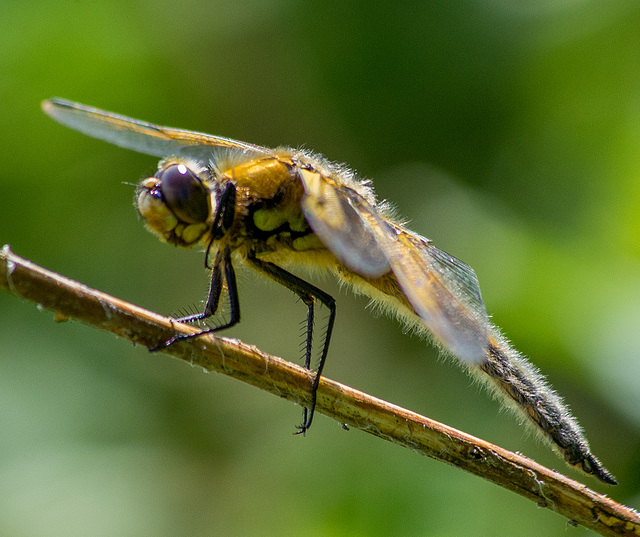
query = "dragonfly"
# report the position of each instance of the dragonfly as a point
(281, 210)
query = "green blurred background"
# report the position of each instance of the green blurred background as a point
(508, 132)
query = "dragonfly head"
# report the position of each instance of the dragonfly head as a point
(176, 204)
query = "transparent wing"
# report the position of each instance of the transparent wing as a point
(141, 136)
(334, 214)
(443, 291)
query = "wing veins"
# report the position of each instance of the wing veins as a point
(141, 136)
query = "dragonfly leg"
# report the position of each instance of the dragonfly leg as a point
(309, 294)
(222, 272)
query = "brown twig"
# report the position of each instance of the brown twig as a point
(70, 299)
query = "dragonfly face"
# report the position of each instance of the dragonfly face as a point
(176, 204)
(270, 208)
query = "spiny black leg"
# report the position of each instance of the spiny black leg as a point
(308, 294)
(224, 217)
(215, 290)
(309, 337)
(307, 350)
(331, 304)
(222, 268)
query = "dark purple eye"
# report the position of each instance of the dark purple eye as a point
(184, 194)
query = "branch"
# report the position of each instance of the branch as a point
(70, 299)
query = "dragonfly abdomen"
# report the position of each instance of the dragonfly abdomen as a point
(520, 382)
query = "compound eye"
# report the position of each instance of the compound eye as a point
(184, 194)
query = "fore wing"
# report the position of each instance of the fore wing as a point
(443, 290)
(141, 136)
(334, 214)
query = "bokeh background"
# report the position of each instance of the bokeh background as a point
(508, 132)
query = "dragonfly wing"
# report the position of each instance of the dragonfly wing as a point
(443, 290)
(334, 214)
(141, 136)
